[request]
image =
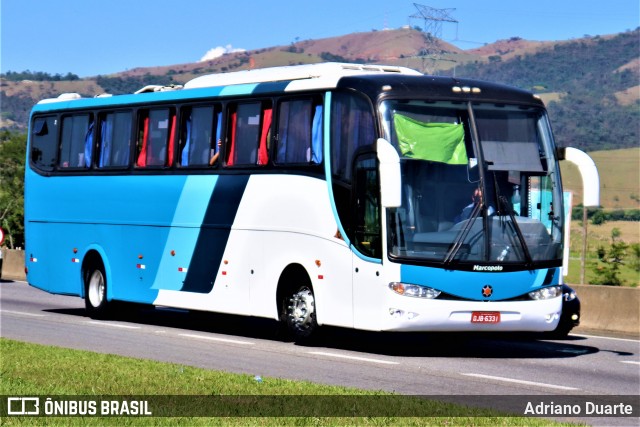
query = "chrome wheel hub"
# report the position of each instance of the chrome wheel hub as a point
(96, 289)
(302, 308)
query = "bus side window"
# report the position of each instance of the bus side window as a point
(200, 133)
(44, 142)
(76, 144)
(249, 134)
(115, 139)
(367, 206)
(353, 128)
(156, 138)
(299, 132)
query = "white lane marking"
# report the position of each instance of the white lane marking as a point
(360, 359)
(605, 338)
(202, 337)
(631, 362)
(22, 313)
(112, 325)
(512, 380)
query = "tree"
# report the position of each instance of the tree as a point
(635, 256)
(607, 269)
(12, 155)
(599, 218)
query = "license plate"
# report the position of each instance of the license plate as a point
(485, 317)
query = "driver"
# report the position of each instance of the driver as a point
(476, 199)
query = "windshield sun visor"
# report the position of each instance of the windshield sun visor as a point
(512, 156)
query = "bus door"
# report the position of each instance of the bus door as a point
(367, 241)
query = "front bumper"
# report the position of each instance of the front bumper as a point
(416, 314)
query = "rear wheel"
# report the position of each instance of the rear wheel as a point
(95, 295)
(300, 312)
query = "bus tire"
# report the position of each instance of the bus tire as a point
(95, 291)
(300, 313)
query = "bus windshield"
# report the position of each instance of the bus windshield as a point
(479, 184)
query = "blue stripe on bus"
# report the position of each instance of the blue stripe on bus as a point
(130, 100)
(178, 95)
(469, 284)
(214, 233)
(270, 87)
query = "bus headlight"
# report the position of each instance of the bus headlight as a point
(546, 293)
(416, 291)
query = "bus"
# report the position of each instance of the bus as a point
(360, 196)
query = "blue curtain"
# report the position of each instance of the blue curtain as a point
(106, 138)
(185, 150)
(316, 136)
(88, 145)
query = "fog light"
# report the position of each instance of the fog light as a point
(395, 313)
(551, 317)
(574, 317)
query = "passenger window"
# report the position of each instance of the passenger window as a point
(76, 144)
(156, 138)
(44, 143)
(299, 132)
(201, 136)
(115, 139)
(249, 134)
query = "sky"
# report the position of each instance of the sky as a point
(89, 38)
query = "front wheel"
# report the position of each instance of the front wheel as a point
(300, 311)
(95, 296)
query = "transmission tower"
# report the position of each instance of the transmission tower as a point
(433, 19)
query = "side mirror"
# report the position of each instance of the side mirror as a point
(588, 171)
(390, 176)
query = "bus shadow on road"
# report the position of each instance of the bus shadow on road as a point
(455, 344)
(407, 344)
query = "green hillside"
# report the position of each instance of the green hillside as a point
(588, 73)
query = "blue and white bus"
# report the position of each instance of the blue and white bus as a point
(358, 196)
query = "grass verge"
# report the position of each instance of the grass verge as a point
(37, 370)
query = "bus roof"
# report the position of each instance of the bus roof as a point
(325, 72)
(437, 88)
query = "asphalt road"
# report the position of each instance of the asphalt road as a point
(454, 365)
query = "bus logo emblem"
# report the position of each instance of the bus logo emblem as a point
(487, 291)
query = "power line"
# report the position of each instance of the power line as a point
(433, 20)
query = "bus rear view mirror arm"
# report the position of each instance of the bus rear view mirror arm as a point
(390, 176)
(588, 172)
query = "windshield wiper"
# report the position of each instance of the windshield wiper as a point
(460, 238)
(503, 200)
